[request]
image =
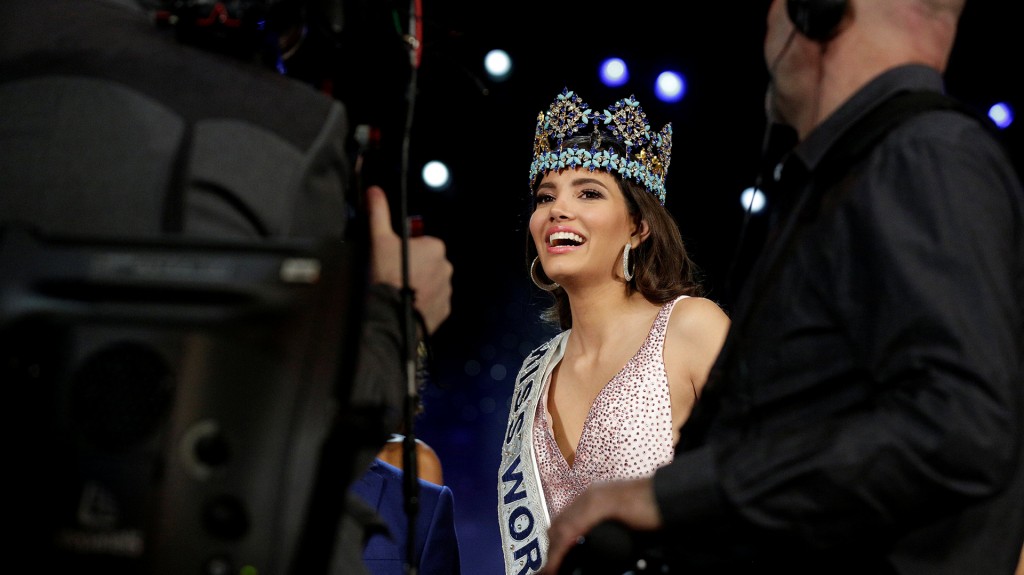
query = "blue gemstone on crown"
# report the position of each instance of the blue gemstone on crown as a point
(647, 153)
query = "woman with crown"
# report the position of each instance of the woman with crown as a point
(604, 398)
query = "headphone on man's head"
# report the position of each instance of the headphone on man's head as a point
(816, 19)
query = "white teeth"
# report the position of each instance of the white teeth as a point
(555, 237)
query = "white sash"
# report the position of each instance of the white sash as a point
(522, 510)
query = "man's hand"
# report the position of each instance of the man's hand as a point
(629, 501)
(430, 272)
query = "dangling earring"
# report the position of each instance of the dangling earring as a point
(533, 276)
(625, 263)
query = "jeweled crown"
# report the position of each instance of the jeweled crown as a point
(647, 153)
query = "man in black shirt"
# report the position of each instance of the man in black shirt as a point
(866, 414)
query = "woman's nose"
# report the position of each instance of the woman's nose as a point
(559, 210)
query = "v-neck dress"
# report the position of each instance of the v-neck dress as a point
(627, 433)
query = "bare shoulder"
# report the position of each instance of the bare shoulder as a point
(698, 317)
(696, 332)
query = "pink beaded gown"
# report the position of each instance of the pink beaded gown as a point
(627, 433)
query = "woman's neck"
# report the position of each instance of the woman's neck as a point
(602, 316)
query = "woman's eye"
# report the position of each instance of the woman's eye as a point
(544, 198)
(590, 194)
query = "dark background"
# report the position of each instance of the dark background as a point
(483, 130)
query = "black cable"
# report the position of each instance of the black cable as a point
(772, 128)
(411, 487)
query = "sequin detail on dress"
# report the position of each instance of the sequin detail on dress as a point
(627, 434)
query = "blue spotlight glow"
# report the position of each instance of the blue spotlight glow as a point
(670, 86)
(614, 72)
(1001, 114)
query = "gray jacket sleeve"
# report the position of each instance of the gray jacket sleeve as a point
(378, 387)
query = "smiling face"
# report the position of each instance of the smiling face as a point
(580, 225)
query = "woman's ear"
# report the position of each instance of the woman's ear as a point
(643, 230)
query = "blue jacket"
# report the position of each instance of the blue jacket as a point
(437, 545)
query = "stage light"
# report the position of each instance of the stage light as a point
(752, 200)
(614, 72)
(498, 65)
(1001, 114)
(435, 175)
(670, 86)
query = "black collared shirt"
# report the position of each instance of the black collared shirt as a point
(867, 411)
